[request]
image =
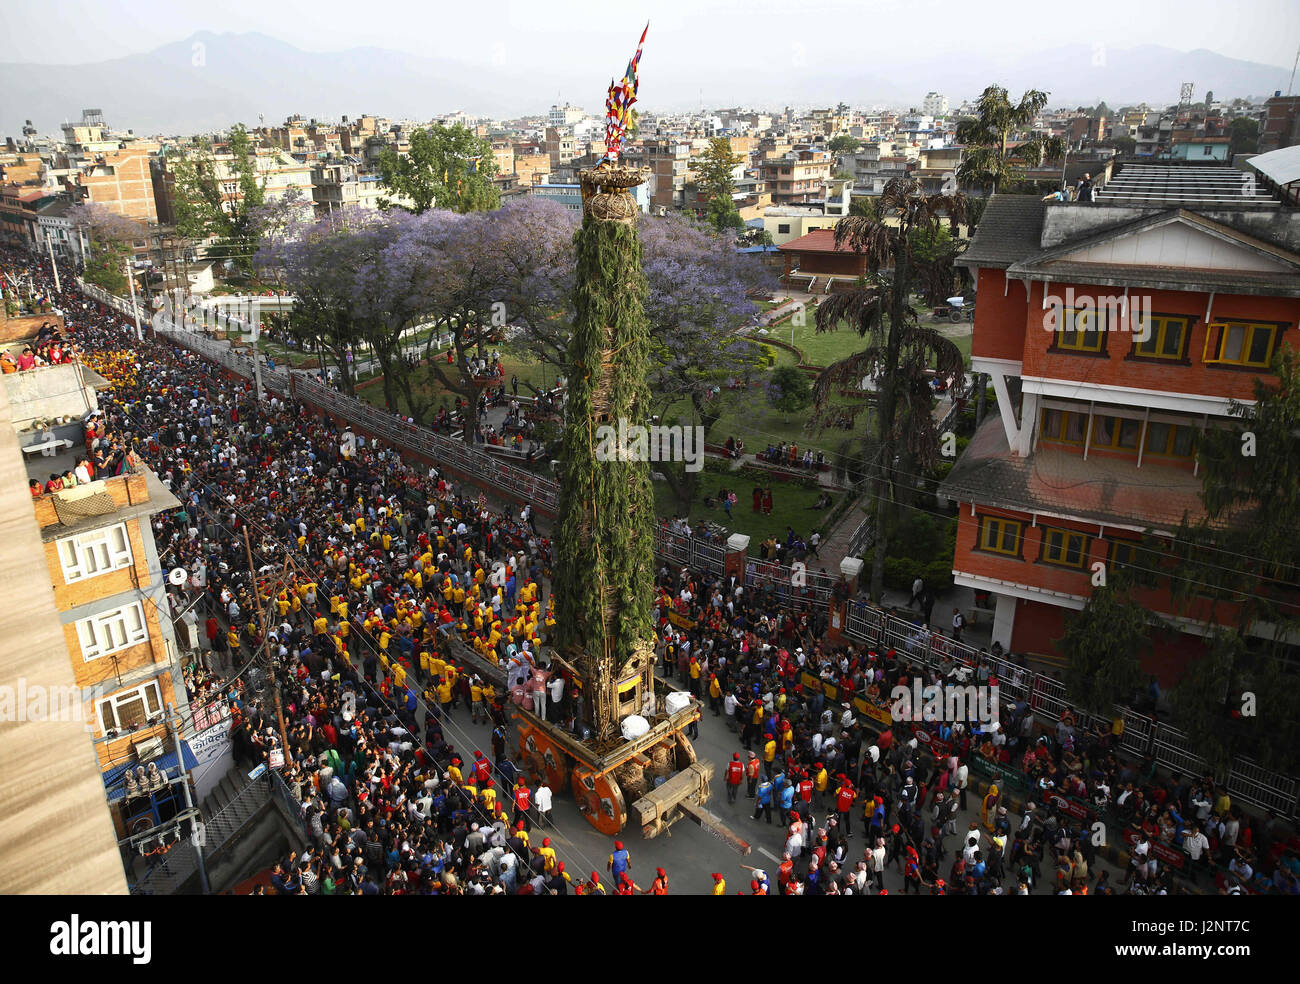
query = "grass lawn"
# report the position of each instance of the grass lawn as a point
(790, 502)
(541, 375)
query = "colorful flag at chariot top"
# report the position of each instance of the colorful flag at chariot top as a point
(618, 106)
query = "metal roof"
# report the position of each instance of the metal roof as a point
(1170, 186)
(1279, 166)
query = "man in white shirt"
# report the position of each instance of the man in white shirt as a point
(542, 800)
(556, 686)
(1197, 846)
(729, 708)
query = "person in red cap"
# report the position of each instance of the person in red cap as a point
(625, 886)
(844, 799)
(482, 767)
(756, 888)
(751, 775)
(620, 861)
(769, 752)
(593, 885)
(719, 884)
(735, 773)
(523, 805)
(660, 885)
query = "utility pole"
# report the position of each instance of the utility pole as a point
(135, 308)
(254, 331)
(53, 263)
(261, 623)
(196, 841)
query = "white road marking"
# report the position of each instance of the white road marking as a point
(768, 854)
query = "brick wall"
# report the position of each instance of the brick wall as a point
(999, 321)
(126, 490)
(1113, 368)
(106, 669)
(129, 190)
(25, 327)
(68, 596)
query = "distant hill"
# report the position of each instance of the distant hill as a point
(209, 81)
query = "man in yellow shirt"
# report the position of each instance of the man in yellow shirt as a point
(719, 884)
(476, 701)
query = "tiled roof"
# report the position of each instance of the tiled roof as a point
(1110, 491)
(1010, 230)
(817, 241)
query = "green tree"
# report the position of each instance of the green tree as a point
(1250, 487)
(1124, 146)
(1103, 646)
(713, 170)
(109, 237)
(936, 250)
(899, 349)
(447, 166)
(1240, 562)
(864, 206)
(205, 209)
(1244, 135)
(843, 144)
(788, 390)
(989, 162)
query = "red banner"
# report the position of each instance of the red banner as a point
(1068, 806)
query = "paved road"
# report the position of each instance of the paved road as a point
(689, 853)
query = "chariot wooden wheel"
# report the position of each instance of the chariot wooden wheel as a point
(685, 751)
(600, 800)
(541, 757)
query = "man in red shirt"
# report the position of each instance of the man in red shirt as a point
(805, 788)
(523, 801)
(844, 798)
(735, 772)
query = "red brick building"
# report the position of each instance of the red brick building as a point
(1094, 439)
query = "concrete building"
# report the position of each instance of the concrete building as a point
(797, 176)
(560, 146)
(564, 116)
(934, 104)
(53, 224)
(669, 164)
(1281, 126)
(336, 185)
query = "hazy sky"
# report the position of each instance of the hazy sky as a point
(731, 33)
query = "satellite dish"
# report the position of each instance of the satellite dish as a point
(178, 576)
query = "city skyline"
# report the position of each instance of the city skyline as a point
(327, 67)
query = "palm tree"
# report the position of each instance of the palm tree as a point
(985, 136)
(899, 349)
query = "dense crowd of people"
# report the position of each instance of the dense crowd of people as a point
(365, 565)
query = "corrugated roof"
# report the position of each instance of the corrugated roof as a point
(1010, 230)
(1280, 166)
